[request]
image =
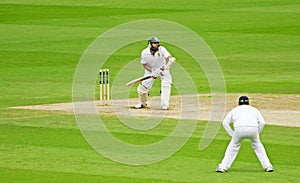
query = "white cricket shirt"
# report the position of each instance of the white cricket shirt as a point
(157, 60)
(244, 116)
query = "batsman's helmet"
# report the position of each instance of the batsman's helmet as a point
(153, 39)
(243, 100)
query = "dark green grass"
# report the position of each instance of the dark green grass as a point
(257, 45)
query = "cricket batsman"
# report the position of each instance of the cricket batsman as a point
(157, 61)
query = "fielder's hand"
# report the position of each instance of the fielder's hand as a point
(172, 59)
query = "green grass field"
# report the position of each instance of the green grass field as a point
(257, 44)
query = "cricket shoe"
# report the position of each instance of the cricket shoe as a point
(269, 169)
(164, 107)
(140, 106)
(220, 170)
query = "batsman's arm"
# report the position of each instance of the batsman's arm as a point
(147, 67)
(171, 61)
(155, 72)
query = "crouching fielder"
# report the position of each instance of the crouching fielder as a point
(248, 123)
(157, 61)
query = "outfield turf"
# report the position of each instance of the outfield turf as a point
(257, 44)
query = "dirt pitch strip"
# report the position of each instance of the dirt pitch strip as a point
(283, 110)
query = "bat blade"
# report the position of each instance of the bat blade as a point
(138, 80)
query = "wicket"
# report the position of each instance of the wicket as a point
(104, 87)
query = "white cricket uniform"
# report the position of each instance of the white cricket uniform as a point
(248, 123)
(157, 61)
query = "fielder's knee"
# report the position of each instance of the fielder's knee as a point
(256, 145)
(235, 147)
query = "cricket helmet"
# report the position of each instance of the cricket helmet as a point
(243, 100)
(152, 40)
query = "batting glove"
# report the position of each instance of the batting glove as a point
(157, 73)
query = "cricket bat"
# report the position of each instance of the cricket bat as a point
(139, 80)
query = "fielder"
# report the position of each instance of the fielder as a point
(157, 61)
(248, 123)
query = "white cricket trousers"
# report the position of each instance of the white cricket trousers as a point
(239, 134)
(166, 81)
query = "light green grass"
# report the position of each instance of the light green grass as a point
(37, 146)
(257, 45)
